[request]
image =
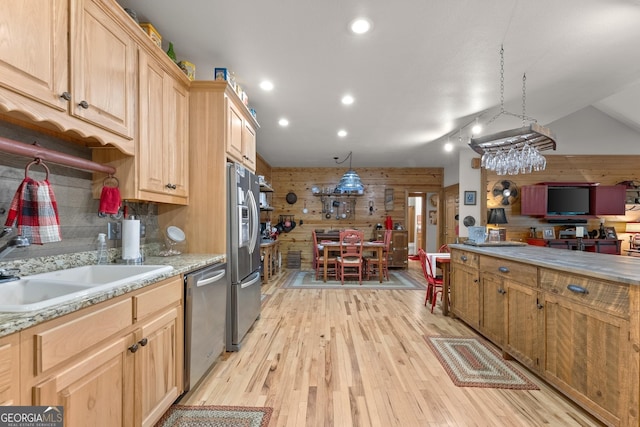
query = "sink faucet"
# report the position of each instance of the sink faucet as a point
(14, 242)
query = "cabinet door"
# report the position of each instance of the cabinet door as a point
(608, 200)
(234, 131)
(465, 294)
(96, 391)
(533, 200)
(9, 370)
(399, 249)
(249, 146)
(177, 138)
(159, 365)
(103, 69)
(492, 320)
(152, 102)
(524, 331)
(586, 355)
(34, 49)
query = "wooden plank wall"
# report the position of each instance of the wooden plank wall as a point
(301, 180)
(607, 170)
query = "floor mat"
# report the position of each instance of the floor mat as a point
(215, 416)
(471, 363)
(399, 280)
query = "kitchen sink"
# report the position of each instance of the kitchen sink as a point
(43, 290)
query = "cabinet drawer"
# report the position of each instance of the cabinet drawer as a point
(59, 343)
(521, 273)
(164, 295)
(463, 257)
(610, 297)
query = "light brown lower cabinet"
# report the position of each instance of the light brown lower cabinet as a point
(9, 370)
(574, 331)
(118, 363)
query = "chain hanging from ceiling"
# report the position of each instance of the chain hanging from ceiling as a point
(517, 150)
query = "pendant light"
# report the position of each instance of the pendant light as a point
(350, 181)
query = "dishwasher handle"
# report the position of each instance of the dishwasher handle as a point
(210, 280)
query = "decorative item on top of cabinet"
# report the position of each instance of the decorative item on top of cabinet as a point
(79, 74)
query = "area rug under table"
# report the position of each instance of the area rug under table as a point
(399, 280)
(471, 363)
(215, 416)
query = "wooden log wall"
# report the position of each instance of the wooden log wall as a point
(300, 181)
(606, 170)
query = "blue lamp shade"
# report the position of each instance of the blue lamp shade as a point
(350, 183)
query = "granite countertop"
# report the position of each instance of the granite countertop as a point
(14, 322)
(617, 268)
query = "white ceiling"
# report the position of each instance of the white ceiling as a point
(425, 71)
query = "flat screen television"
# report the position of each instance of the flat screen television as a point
(568, 201)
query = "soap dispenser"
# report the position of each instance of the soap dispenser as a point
(102, 253)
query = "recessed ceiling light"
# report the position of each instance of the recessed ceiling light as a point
(283, 122)
(448, 147)
(342, 133)
(360, 25)
(266, 85)
(347, 100)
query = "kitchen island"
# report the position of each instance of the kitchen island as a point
(571, 317)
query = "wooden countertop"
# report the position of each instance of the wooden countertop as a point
(14, 322)
(617, 268)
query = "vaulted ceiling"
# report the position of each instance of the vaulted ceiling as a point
(425, 71)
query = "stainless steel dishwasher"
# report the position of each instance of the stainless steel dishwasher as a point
(205, 296)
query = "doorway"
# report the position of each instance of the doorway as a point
(422, 221)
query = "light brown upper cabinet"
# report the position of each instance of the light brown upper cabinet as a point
(69, 63)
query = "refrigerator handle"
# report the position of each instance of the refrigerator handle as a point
(254, 226)
(251, 282)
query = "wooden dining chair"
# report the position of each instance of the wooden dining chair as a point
(372, 262)
(319, 261)
(434, 283)
(350, 262)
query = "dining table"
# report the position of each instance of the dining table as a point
(334, 246)
(442, 260)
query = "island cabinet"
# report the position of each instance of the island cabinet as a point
(70, 63)
(586, 325)
(118, 363)
(578, 332)
(465, 287)
(10, 370)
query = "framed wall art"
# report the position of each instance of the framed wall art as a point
(469, 197)
(610, 232)
(548, 233)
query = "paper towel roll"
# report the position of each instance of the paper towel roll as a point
(131, 239)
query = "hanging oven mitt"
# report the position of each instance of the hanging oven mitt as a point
(35, 210)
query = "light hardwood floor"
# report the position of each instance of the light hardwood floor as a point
(359, 358)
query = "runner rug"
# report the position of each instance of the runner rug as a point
(471, 363)
(399, 280)
(215, 416)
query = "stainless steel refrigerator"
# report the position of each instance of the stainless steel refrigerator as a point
(243, 253)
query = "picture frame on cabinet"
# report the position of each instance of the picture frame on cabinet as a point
(610, 232)
(470, 198)
(548, 233)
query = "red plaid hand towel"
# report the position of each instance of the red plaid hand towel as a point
(36, 211)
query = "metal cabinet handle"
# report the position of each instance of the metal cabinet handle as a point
(578, 289)
(143, 342)
(83, 104)
(540, 306)
(463, 258)
(503, 269)
(171, 186)
(133, 348)
(66, 96)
